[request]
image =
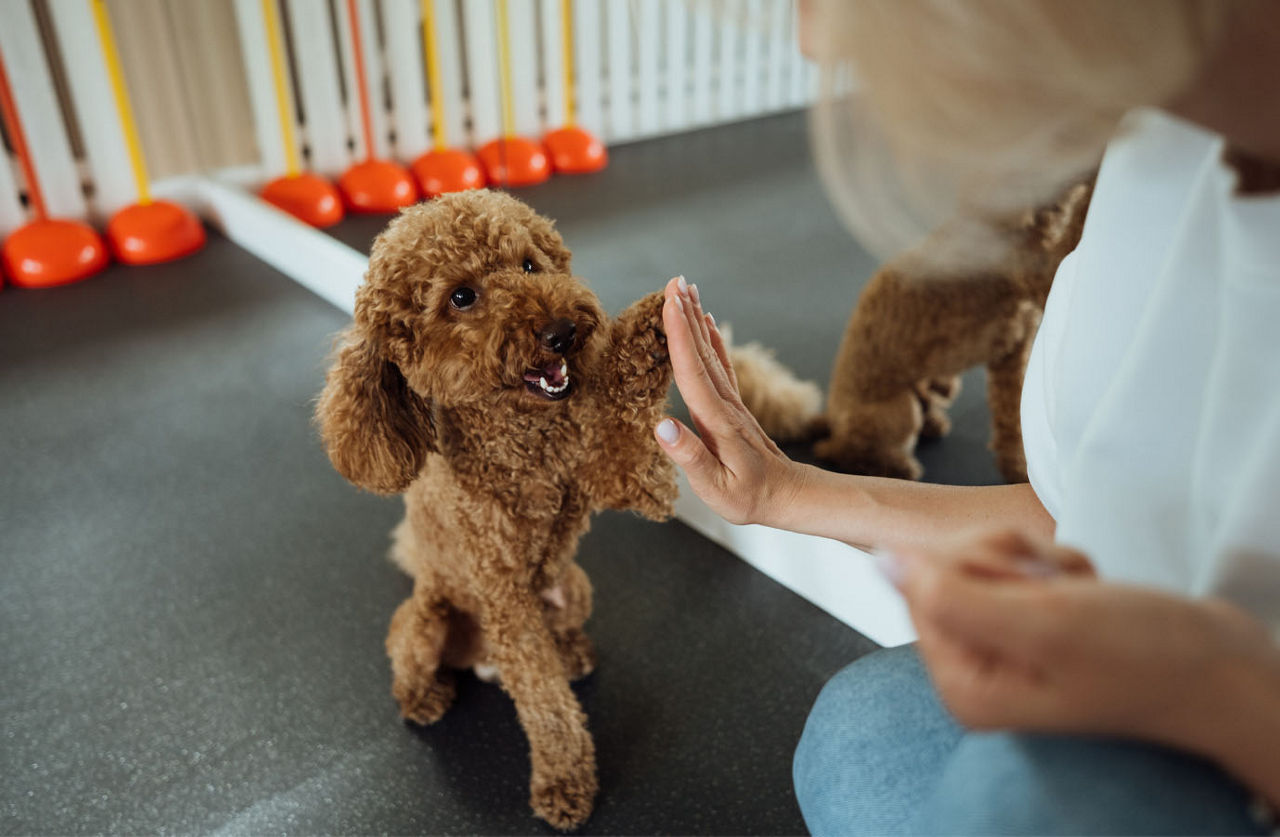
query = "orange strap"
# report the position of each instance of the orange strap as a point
(11, 123)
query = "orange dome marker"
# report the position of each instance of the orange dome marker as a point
(372, 185)
(305, 196)
(46, 251)
(573, 150)
(149, 231)
(511, 160)
(442, 169)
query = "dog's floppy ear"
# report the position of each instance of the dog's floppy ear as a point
(376, 429)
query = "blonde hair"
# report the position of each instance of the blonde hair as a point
(985, 106)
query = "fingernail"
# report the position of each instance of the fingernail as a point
(890, 566)
(693, 292)
(711, 319)
(679, 303)
(682, 285)
(668, 431)
(1033, 567)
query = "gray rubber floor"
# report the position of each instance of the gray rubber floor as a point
(193, 603)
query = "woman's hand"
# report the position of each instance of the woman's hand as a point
(731, 463)
(1019, 633)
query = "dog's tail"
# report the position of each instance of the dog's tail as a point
(788, 408)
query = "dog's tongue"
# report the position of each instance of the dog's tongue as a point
(553, 374)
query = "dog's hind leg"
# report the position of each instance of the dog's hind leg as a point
(415, 645)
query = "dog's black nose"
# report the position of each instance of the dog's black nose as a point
(558, 337)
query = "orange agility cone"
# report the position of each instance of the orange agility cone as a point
(442, 169)
(46, 251)
(511, 160)
(372, 185)
(573, 150)
(149, 231)
(305, 196)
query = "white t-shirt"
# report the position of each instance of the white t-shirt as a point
(1151, 406)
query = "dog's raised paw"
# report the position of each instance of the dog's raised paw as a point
(425, 705)
(565, 803)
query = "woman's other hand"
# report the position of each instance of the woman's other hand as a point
(1019, 634)
(731, 463)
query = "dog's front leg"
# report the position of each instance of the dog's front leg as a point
(563, 784)
(629, 470)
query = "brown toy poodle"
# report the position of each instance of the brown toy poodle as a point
(485, 382)
(921, 322)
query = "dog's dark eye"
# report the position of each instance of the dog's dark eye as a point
(529, 266)
(463, 297)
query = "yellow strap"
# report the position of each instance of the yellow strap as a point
(431, 59)
(504, 64)
(566, 24)
(283, 103)
(122, 100)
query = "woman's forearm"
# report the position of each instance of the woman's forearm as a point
(868, 512)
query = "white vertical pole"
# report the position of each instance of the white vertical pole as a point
(621, 106)
(373, 76)
(523, 35)
(727, 93)
(700, 103)
(648, 43)
(797, 82)
(256, 54)
(586, 64)
(37, 105)
(403, 31)
(449, 43)
(677, 95)
(779, 32)
(482, 69)
(752, 23)
(552, 62)
(326, 123)
(100, 129)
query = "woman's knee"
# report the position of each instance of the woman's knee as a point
(873, 735)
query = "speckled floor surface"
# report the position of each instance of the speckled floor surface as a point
(193, 603)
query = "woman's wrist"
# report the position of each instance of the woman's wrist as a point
(1239, 724)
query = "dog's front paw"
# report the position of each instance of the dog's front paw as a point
(425, 704)
(566, 801)
(639, 347)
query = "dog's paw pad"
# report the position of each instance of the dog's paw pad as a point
(565, 803)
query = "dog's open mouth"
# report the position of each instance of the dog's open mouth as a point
(550, 382)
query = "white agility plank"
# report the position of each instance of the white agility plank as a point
(552, 43)
(402, 28)
(523, 36)
(675, 91)
(700, 112)
(327, 129)
(587, 69)
(373, 78)
(449, 43)
(727, 88)
(478, 25)
(621, 101)
(841, 580)
(648, 30)
(37, 105)
(100, 129)
(255, 53)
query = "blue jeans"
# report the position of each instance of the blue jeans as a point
(880, 755)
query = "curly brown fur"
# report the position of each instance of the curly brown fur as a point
(918, 325)
(441, 401)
